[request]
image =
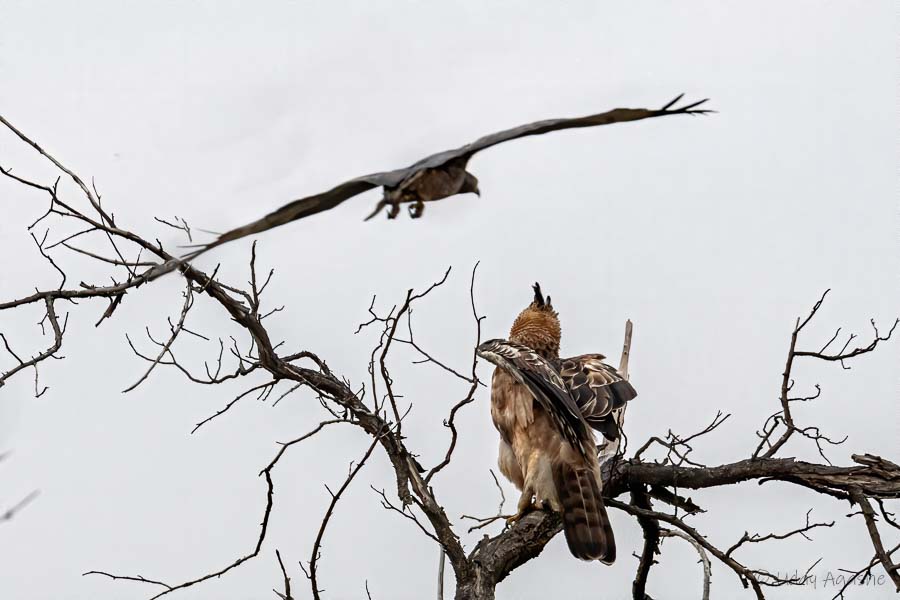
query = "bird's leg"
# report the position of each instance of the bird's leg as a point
(394, 210)
(525, 506)
(416, 209)
(378, 207)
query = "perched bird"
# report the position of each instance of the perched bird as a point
(544, 408)
(438, 176)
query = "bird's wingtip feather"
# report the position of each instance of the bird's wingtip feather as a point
(673, 102)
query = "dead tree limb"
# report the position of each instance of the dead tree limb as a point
(135, 260)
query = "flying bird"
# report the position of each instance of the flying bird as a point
(544, 408)
(437, 176)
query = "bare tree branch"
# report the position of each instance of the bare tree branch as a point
(188, 303)
(609, 450)
(747, 576)
(704, 557)
(485, 521)
(287, 580)
(335, 497)
(470, 396)
(766, 447)
(756, 538)
(138, 578)
(870, 478)
(890, 567)
(650, 528)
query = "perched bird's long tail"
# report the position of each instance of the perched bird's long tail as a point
(585, 523)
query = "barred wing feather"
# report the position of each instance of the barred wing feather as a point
(598, 389)
(542, 379)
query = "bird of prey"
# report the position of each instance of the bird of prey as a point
(437, 176)
(544, 408)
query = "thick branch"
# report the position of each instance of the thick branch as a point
(892, 569)
(497, 556)
(650, 528)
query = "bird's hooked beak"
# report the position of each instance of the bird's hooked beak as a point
(470, 185)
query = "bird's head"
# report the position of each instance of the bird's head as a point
(538, 326)
(470, 185)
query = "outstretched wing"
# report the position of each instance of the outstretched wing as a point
(540, 377)
(618, 115)
(598, 389)
(304, 207)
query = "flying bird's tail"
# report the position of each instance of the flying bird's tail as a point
(585, 523)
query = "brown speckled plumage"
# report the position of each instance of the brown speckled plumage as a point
(538, 327)
(544, 408)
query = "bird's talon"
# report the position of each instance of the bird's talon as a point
(416, 210)
(521, 513)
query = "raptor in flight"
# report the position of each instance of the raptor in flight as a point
(544, 408)
(437, 176)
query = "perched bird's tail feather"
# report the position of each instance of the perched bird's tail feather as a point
(585, 523)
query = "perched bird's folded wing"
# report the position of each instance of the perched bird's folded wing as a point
(598, 389)
(543, 381)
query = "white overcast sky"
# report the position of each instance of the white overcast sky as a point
(713, 234)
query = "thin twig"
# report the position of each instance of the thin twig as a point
(287, 580)
(704, 557)
(186, 307)
(450, 422)
(334, 500)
